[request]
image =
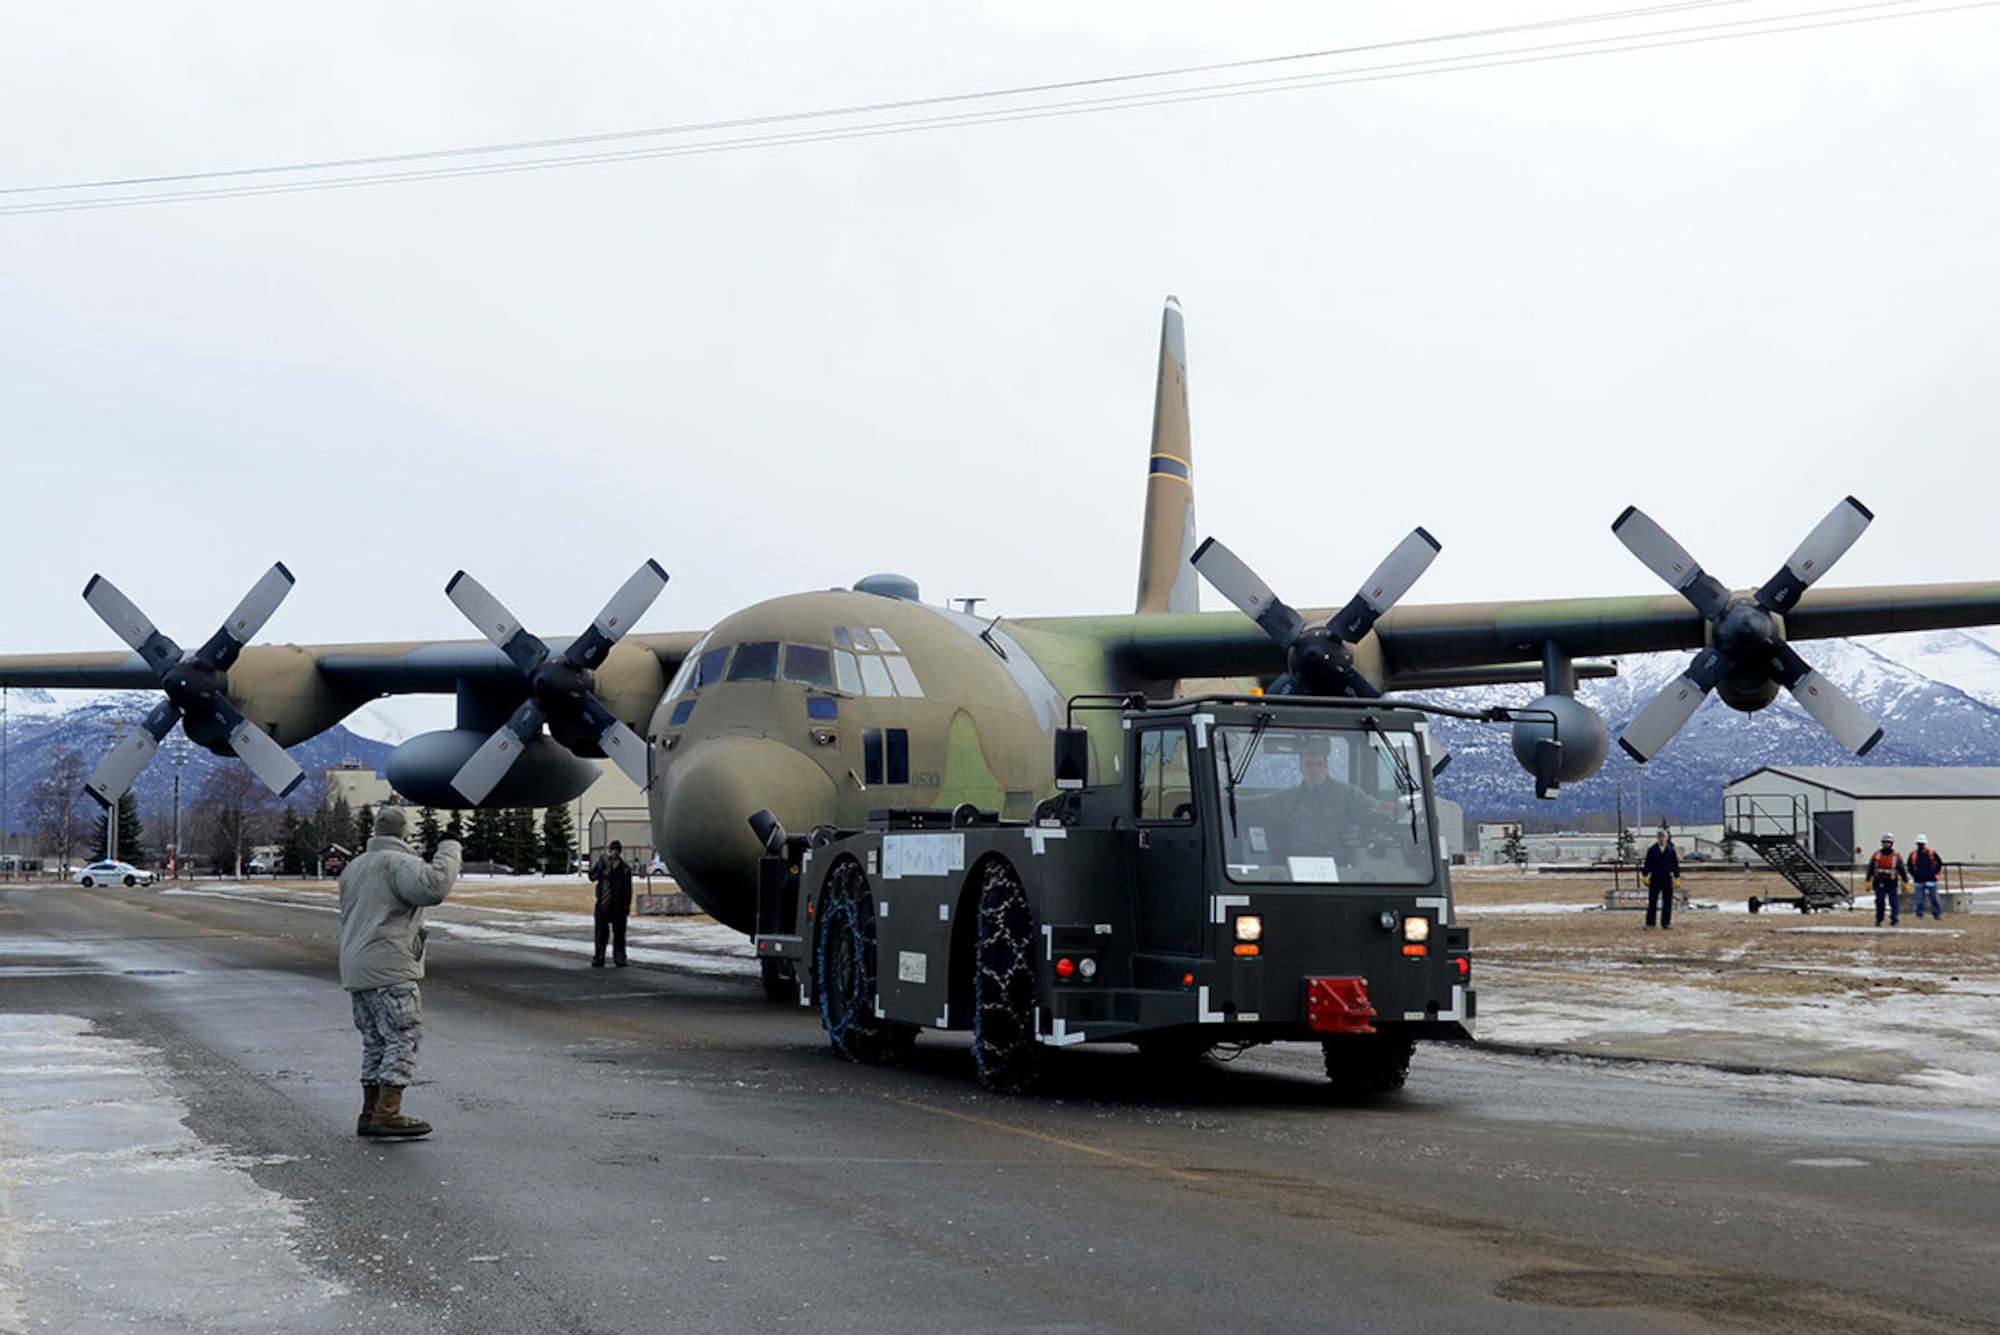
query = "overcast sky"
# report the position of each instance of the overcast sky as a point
(1729, 280)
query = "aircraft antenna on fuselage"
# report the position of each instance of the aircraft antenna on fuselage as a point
(1167, 583)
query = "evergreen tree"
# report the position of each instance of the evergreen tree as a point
(296, 856)
(364, 827)
(482, 841)
(429, 832)
(520, 845)
(558, 840)
(131, 833)
(340, 825)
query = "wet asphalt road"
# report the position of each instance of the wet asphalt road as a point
(652, 1149)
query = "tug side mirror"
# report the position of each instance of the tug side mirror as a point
(1072, 757)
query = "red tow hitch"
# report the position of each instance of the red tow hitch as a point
(1339, 1005)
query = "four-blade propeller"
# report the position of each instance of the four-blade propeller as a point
(195, 686)
(560, 686)
(1318, 659)
(1746, 640)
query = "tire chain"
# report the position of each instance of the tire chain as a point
(1004, 1047)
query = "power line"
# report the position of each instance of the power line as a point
(871, 108)
(1772, 25)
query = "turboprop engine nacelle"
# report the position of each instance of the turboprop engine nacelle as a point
(546, 775)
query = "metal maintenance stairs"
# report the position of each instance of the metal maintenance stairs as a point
(1819, 889)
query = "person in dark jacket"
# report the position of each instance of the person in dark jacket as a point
(1662, 870)
(1925, 867)
(383, 895)
(613, 875)
(1886, 873)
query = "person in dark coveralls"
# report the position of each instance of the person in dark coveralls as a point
(613, 875)
(1887, 874)
(383, 895)
(1925, 866)
(1662, 870)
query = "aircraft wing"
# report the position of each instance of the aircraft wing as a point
(1465, 644)
(304, 690)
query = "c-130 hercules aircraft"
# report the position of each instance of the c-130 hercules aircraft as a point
(818, 707)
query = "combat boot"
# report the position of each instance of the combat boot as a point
(389, 1120)
(371, 1095)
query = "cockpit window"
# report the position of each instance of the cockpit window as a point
(808, 663)
(868, 661)
(755, 661)
(875, 675)
(684, 678)
(708, 669)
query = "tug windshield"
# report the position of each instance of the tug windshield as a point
(1315, 806)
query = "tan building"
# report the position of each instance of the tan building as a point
(1842, 811)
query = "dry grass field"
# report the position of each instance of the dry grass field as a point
(1553, 925)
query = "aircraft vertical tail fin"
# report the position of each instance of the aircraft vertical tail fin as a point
(1167, 582)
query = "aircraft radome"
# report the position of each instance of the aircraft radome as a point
(820, 706)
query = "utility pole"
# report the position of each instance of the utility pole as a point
(111, 812)
(180, 750)
(6, 835)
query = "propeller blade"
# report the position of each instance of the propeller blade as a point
(495, 622)
(1666, 712)
(249, 617)
(1839, 715)
(1827, 543)
(478, 776)
(1381, 590)
(256, 748)
(1359, 686)
(627, 750)
(131, 625)
(626, 607)
(114, 775)
(266, 759)
(1830, 706)
(622, 746)
(1670, 561)
(1661, 719)
(1240, 585)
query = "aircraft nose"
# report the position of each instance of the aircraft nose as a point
(711, 792)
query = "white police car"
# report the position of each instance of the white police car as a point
(113, 873)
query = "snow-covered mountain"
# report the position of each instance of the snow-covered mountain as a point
(40, 725)
(1936, 695)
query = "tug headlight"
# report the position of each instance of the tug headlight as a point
(1249, 935)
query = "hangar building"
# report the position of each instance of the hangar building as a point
(1841, 811)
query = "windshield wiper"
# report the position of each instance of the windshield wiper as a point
(1406, 782)
(1234, 773)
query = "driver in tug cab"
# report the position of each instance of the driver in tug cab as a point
(1321, 807)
